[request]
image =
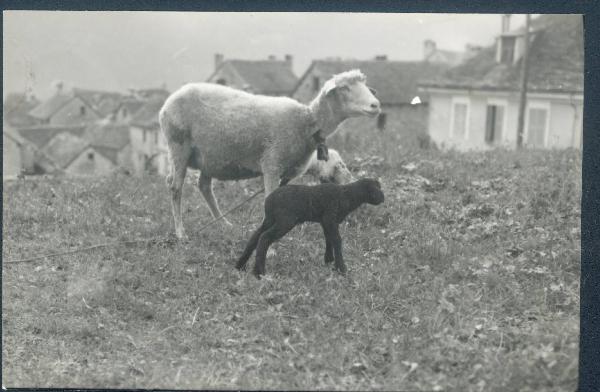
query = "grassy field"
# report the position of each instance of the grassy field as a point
(466, 278)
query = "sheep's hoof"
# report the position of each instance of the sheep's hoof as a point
(182, 237)
(226, 222)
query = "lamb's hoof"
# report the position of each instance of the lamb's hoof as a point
(241, 267)
(341, 269)
(328, 261)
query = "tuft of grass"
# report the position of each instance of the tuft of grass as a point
(466, 278)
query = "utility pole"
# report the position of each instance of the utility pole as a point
(523, 90)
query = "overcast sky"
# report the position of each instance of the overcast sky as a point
(119, 50)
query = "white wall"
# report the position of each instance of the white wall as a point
(82, 165)
(564, 121)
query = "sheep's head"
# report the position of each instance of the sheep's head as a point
(351, 95)
(372, 188)
(333, 170)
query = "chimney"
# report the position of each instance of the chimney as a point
(471, 50)
(429, 47)
(288, 60)
(59, 86)
(505, 23)
(218, 60)
(381, 57)
(271, 57)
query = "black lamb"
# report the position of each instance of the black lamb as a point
(328, 204)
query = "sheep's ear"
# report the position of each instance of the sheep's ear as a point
(329, 87)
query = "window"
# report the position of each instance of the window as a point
(537, 125)
(381, 121)
(82, 111)
(507, 49)
(494, 122)
(316, 83)
(90, 156)
(459, 122)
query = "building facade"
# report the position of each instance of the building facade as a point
(476, 105)
(148, 146)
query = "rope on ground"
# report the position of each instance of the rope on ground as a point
(107, 244)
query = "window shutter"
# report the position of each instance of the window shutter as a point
(489, 123)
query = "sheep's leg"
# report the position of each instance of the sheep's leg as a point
(328, 246)
(333, 233)
(252, 242)
(175, 182)
(275, 232)
(205, 186)
(271, 183)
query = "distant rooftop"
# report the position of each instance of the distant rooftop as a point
(271, 76)
(41, 135)
(555, 60)
(395, 81)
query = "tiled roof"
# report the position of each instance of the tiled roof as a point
(132, 105)
(103, 102)
(147, 115)
(555, 61)
(41, 135)
(395, 81)
(266, 76)
(64, 148)
(16, 109)
(50, 106)
(446, 56)
(108, 136)
(12, 133)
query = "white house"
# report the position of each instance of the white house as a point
(148, 146)
(475, 105)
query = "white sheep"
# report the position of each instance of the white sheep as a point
(230, 134)
(333, 170)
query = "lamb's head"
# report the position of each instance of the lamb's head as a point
(349, 94)
(371, 190)
(333, 170)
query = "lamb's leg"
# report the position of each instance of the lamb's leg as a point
(328, 246)
(252, 242)
(205, 186)
(179, 158)
(275, 232)
(333, 233)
